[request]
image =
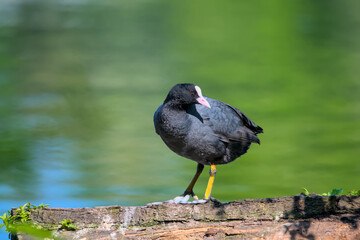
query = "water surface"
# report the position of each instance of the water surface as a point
(80, 81)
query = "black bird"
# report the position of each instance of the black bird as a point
(205, 130)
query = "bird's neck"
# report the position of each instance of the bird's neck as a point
(175, 113)
(176, 106)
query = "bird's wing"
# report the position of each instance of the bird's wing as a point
(228, 123)
(247, 122)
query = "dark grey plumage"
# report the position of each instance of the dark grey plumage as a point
(216, 135)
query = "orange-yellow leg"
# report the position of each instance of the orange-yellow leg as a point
(211, 181)
(189, 189)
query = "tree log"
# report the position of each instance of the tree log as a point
(297, 217)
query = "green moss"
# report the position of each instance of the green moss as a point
(92, 226)
(68, 225)
(149, 223)
(113, 211)
(20, 222)
(334, 192)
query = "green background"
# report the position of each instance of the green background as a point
(80, 81)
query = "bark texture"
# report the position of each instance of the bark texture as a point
(297, 217)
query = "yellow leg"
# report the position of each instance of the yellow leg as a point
(211, 181)
(189, 189)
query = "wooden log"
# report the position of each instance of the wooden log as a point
(297, 217)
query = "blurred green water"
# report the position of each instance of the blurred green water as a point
(80, 81)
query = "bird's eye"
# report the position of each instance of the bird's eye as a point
(191, 91)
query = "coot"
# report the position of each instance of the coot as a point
(205, 130)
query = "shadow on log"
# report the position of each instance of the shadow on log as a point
(297, 217)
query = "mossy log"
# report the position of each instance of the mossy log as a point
(297, 217)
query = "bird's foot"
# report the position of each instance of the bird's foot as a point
(184, 199)
(215, 201)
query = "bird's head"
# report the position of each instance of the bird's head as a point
(186, 94)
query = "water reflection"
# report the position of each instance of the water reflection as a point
(79, 83)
